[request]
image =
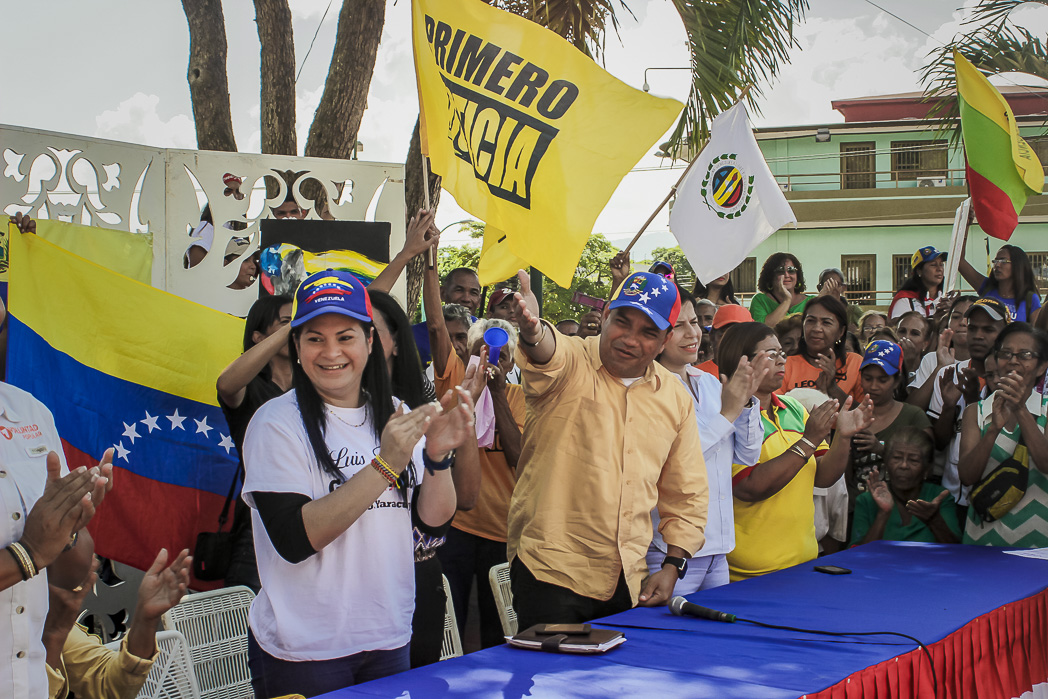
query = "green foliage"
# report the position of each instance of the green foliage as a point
(734, 44)
(685, 275)
(592, 276)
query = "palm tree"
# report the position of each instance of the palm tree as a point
(994, 44)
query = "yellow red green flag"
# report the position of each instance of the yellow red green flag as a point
(1002, 168)
(529, 134)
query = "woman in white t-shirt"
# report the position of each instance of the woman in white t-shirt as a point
(335, 480)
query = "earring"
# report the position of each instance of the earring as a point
(299, 361)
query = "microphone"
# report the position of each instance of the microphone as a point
(682, 607)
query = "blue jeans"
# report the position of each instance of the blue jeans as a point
(274, 677)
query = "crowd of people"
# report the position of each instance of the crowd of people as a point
(673, 441)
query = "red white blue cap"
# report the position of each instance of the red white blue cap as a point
(885, 354)
(926, 254)
(330, 291)
(651, 294)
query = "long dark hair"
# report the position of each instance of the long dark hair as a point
(739, 340)
(406, 374)
(1024, 285)
(375, 389)
(916, 284)
(264, 312)
(835, 307)
(702, 291)
(767, 275)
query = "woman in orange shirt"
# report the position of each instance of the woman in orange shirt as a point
(822, 361)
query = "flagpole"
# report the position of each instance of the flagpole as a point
(425, 188)
(673, 189)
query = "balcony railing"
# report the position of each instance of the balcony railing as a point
(879, 179)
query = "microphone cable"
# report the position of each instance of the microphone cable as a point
(927, 653)
(917, 641)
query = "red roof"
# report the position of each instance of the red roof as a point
(911, 105)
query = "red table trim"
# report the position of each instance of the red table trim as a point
(998, 655)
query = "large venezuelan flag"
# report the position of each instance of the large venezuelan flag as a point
(1002, 168)
(124, 365)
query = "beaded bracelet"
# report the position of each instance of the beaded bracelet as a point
(433, 466)
(383, 468)
(24, 560)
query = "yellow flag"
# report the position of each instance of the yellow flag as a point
(497, 262)
(129, 254)
(529, 134)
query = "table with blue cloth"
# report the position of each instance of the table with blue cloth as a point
(982, 613)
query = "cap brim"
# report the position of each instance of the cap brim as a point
(888, 368)
(324, 311)
(660, 322)
(992, 312)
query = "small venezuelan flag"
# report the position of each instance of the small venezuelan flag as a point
(124, 365)
(1002, 169)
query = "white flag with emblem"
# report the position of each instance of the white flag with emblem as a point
(729, 202)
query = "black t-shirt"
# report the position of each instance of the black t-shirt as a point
(261, 390)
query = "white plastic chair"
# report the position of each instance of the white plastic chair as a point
(498, 576)
(215, 627)
(452, 646)
(171, 676)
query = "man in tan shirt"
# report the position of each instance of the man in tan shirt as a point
(609, 435)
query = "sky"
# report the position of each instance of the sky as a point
(126, 80)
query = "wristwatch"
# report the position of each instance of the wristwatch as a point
(681, 564)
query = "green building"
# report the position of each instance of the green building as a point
(870, 191)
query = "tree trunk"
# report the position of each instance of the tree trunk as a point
(208, 84)
(277, 51)
(333, 133)
(415, 199)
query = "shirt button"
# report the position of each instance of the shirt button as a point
(19, 610)
(20, 654)
(3, 474)
(16, 516)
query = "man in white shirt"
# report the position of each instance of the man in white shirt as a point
(40, 509)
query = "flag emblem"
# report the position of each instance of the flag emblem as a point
(726, 188)
(635, 286)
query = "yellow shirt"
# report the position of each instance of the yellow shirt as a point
(92, 671)
(778, 532)
(597, 457)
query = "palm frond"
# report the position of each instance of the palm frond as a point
(734, 44)
(994, 45)
(583, 23)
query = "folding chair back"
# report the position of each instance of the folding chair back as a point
(171, 676)
(499, 578)
(452, 646)
(215, 626)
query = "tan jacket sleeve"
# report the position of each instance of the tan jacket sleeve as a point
(683, 489)
(95, 672)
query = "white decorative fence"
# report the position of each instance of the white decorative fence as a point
(161, 192)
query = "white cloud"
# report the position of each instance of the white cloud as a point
(310, 9)
(137, 120)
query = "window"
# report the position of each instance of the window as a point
(914, 159)
(857, 165)
(1039, 144)
(1039, 262)
(744, 277)
(900, 270)
(860, 278)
